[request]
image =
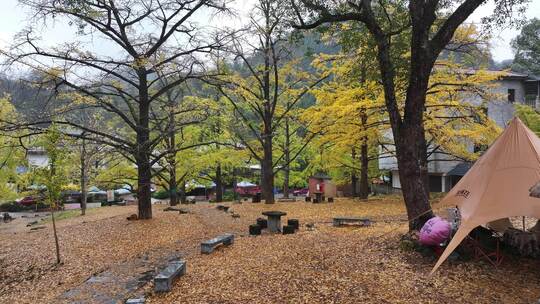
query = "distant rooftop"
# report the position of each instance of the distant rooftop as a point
(506, 74)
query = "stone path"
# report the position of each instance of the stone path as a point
(130, 279)
(119, 282)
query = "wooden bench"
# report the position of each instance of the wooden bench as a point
(340, 221)
(208, 246)
(164, 280)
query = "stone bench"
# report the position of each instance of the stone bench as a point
(286, 200)
(208, 246)
(164, 280)
(140, 300)
(340, 221)
(223, 208)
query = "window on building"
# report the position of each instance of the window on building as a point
(511, 95)
(435, 183)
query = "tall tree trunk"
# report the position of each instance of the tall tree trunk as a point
(354, 178)
(84, 177)
(144, 169)
(364, 179)
(413, 175)
(144, 188)
(173, 187)
(410, 138)
(54, 203)
(364, 182)
(173, 184)
(219, 184)
(267, 173)
(235, 182)
(183, 191)
(267, 117)
(287, 159)
(408, 132)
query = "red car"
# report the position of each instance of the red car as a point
(30, 200)
(248, 191)
(299, 192)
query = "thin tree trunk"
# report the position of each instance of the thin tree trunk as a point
(364, 180)
(56, 243)
(219, 184)
(267, 136)
(83, 177)
(354, 178)
(54, 203)
(364, 183)
(287, 159)
(173, 184)
(182, 191)
(235, 182)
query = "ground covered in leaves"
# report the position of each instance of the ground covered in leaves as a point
(318, 264)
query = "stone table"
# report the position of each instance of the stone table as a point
(274, 220)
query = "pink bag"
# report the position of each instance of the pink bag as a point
(435, 232)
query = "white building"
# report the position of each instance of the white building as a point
(445, 173)
(37, 157)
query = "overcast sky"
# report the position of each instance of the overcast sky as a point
(13, 18)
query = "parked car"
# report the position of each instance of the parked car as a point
(299, 192)
(30, 200)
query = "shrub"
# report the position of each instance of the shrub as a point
(13, 207)
(16, 207)
(228, 195)
(161, 194)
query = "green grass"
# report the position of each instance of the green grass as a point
(63, 215)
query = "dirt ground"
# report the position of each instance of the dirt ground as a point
(322, 264)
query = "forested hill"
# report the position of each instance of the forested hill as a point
(30, 100)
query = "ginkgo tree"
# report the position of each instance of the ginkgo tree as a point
(11, 154)
(144, 38)
(217, 161)
(412, 34)
(351, 116)
(54, 175)
(264, 86)
(456, 118)
(291, 143)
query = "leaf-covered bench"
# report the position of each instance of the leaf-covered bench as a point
(340, 221)
(209, 245)
(164, 280)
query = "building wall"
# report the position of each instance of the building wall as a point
(37, 159)
(500, 110)
(395, 179)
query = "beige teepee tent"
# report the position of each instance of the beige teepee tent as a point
(498, 184)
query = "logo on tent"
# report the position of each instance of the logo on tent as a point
(463, 193)
(534, 191)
